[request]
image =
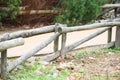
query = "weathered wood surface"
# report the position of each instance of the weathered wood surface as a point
(4, 65)
(11, 43)
(104, 12)
(74, 45)
(117, 19)
(38, 12)
(85, 39)
(56, 41)
(92, 48)
(117, 5)
(63, 43)
(43, 44)
(56, 44)
(87, 27)
(117, 41)
(8, 9)
(109, 35)
(27, 33)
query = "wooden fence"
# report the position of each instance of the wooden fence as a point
(9, 40)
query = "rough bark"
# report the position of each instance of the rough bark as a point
(11, 43)
(32, 52)
(76, 44)
(87, 27)
(27, 33)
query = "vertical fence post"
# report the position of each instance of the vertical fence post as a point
(63, 43)
(4, 65)
(56, 41)
(117, 41)
(56, 44)
(109, 35)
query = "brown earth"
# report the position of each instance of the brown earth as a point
(95, 65)
(100, 66)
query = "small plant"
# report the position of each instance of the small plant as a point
(78, 11)
(9, 9)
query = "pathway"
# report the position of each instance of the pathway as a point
(72, 37)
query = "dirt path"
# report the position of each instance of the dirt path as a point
(31, 42)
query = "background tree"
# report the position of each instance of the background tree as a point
(9, 9)
(78, 11)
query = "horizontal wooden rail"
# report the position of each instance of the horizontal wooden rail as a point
(27, 33)
(11, 43)
(74, 45)
(8, 9)
(87, 27)
(32, 52)
(38, 12)
(93, 47)
(111, 6)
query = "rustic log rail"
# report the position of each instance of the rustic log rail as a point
(27, 33)
(3, 48)
(13, 39)
(74, 45)
(32, 52)
(117, 5)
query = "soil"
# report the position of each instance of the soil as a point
(92, 66)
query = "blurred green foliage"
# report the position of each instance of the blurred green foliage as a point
(9, 9)
(78, 11)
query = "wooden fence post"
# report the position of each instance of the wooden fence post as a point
(4, 65)
(109, 35)
(56, 44)
(64, 36)
(63, 43)
(56, 41)
(117, 41)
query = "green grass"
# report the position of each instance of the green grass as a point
(28, 73)
(47, 73)
(85, 54)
